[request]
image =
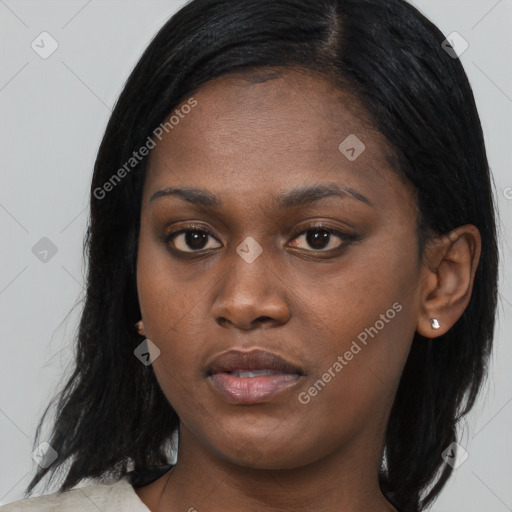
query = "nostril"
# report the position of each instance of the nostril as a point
(223, 322)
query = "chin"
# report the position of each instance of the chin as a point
(255, 449)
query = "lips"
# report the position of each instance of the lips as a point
(252, 377)
(254, 360)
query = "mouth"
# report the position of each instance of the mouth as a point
(252, 377)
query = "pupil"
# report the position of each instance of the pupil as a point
(195, 239)
(318, 239)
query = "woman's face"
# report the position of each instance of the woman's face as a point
(263, 179)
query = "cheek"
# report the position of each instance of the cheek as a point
(165, 305)
(365, 321)
(365, 291)
(166, 299)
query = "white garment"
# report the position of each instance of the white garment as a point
(117, 497)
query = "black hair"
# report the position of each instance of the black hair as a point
(111, 413)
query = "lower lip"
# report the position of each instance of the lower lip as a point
(252, 390)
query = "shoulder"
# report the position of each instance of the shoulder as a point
(117, 497)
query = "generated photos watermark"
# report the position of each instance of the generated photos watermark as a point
(342, 360)
(44, 455)
(455, 45)
(249, 249)
(455, 455)
(44, 45)
(147, 352)
(352, 147)
(143, 151)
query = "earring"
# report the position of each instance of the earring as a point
(140, 327)
(435, 324)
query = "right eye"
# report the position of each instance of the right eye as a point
(190, 239)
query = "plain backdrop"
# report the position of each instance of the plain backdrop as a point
(53, 114)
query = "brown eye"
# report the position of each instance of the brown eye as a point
(191, 239)
(321, 239)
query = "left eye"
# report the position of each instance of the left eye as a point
(320, 239)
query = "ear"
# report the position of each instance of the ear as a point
(450, 264)
(140, 327)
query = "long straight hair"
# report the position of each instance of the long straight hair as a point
(111, 414)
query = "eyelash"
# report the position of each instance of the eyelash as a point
(346, 238)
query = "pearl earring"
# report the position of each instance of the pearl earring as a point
(435, 324)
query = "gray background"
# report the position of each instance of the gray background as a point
(53, 114)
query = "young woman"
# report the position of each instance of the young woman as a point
(292, 269)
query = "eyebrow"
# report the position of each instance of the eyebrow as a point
(288, 199)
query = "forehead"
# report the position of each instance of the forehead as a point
(263, 130)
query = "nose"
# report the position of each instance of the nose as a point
(251, 295)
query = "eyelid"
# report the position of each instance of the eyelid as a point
(324, 227)
(190, 227)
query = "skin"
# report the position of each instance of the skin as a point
(247, 141)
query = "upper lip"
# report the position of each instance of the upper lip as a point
(256, 359)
